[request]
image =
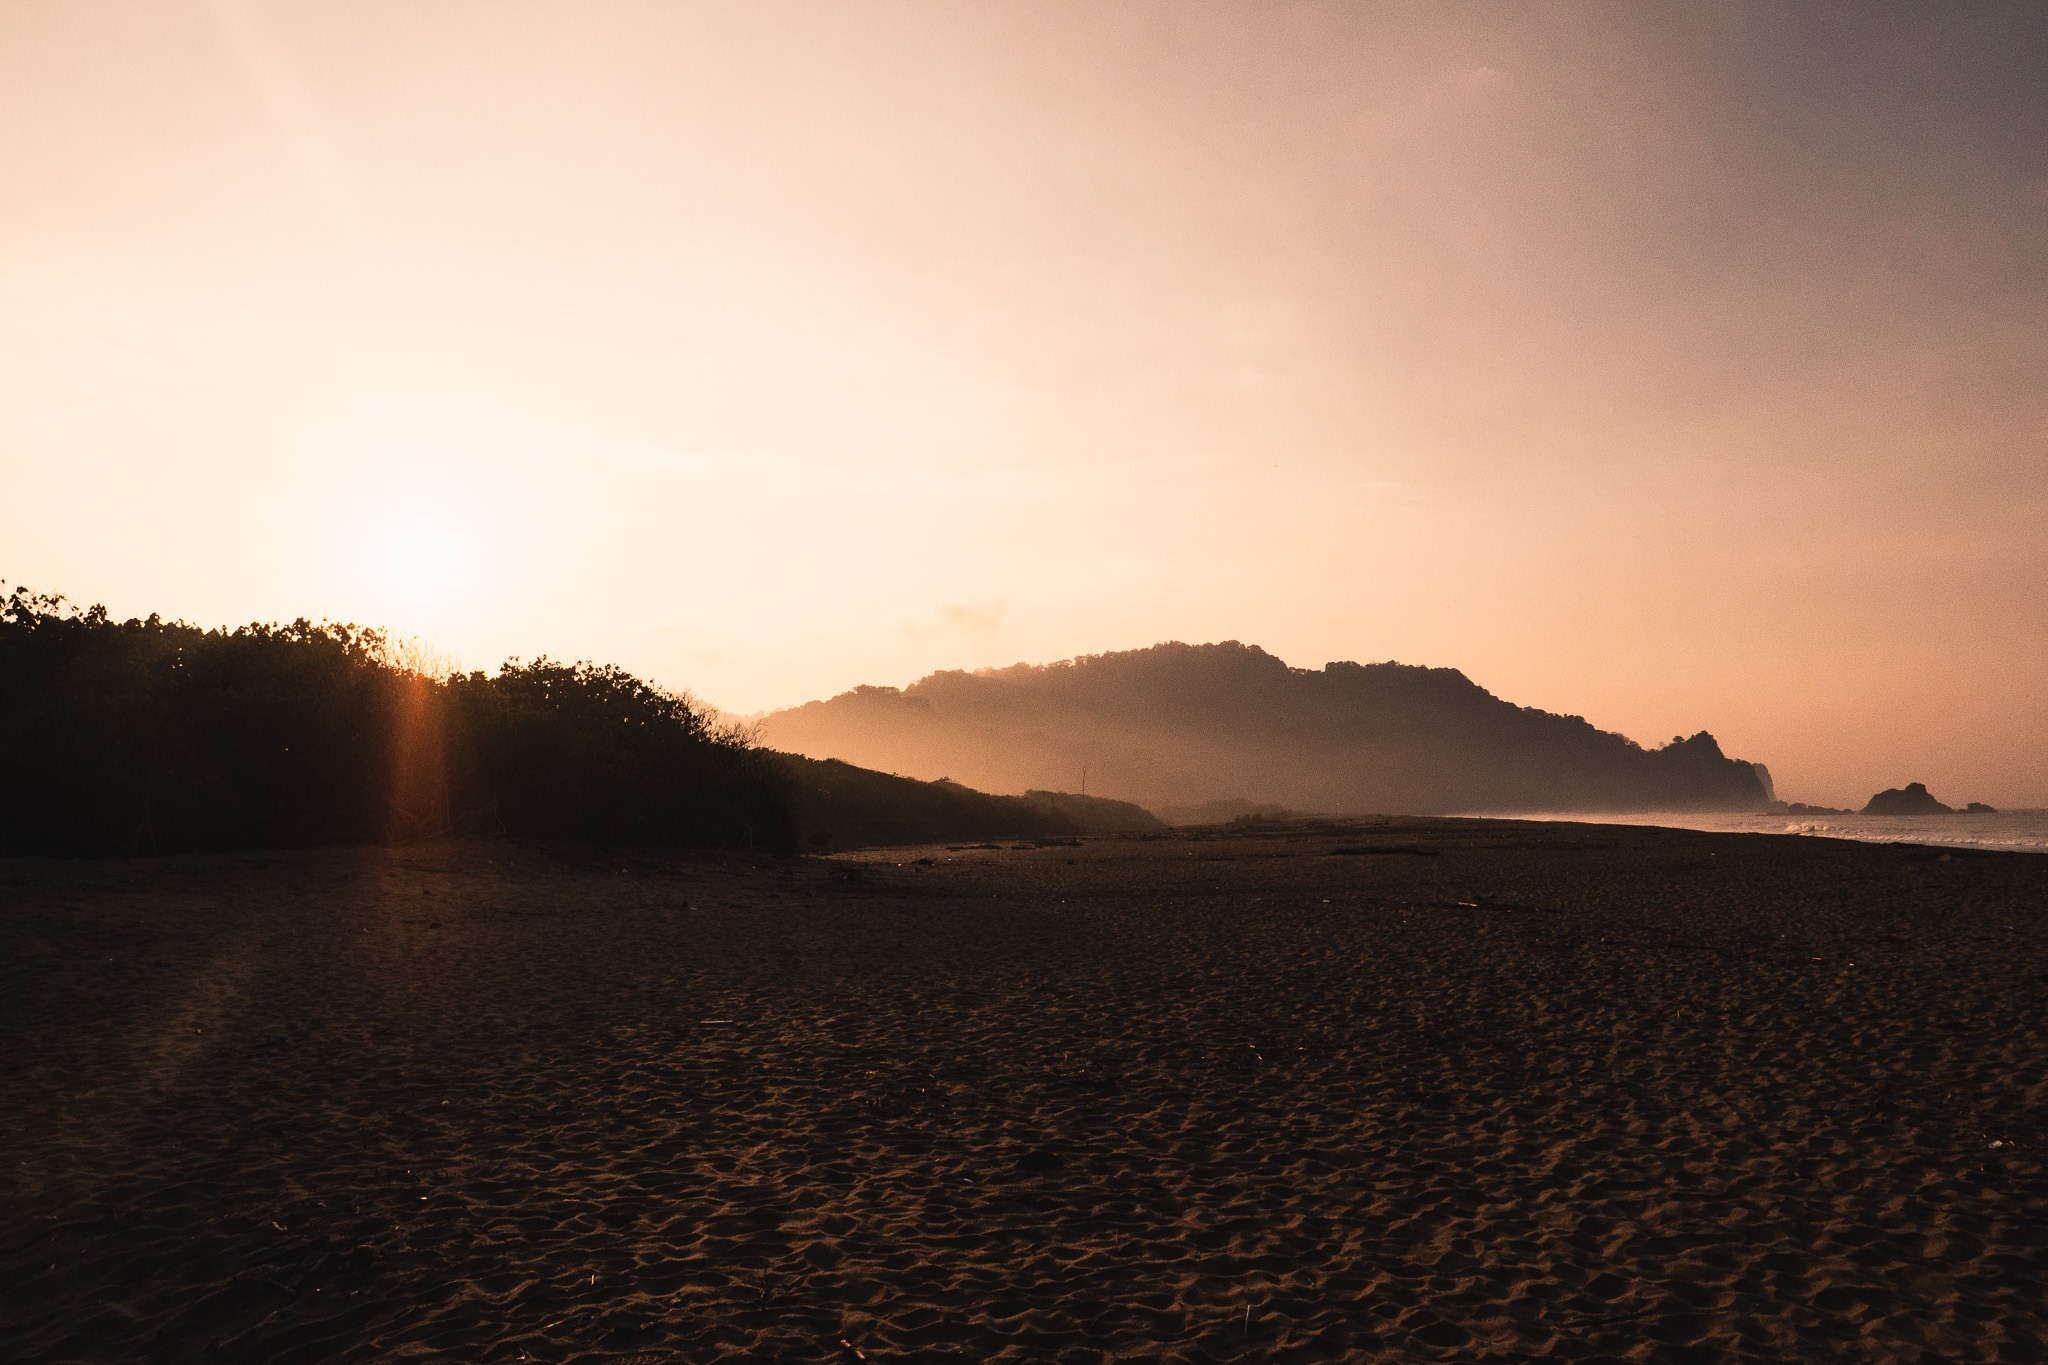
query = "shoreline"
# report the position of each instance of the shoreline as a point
(2003, 831)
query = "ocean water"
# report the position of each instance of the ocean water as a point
(2021, 830)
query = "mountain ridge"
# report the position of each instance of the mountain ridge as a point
(1178, 724)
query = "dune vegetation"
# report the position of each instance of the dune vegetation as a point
(149, 735)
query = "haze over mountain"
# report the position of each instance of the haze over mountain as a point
(1177, 726)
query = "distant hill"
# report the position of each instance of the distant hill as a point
(836, 805)
(1181, 726)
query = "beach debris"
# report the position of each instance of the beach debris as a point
(858, 1354)
(1511, 906)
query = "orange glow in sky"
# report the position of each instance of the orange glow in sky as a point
(1675, 369)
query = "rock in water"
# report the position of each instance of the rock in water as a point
(1913, 799)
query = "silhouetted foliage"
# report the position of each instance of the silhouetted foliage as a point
(148, 735)
(581, 751)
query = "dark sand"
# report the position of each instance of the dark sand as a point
(1656, 1096)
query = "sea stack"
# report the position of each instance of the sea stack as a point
(1912, 799)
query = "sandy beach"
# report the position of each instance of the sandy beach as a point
(1415, 1090)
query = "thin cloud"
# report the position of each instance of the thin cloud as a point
(272, 77)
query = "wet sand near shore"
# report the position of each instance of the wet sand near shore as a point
(1413, 1090)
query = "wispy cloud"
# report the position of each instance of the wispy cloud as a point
(273, 78)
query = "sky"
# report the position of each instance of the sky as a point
(1678, 367)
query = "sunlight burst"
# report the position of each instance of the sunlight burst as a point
(419, 557)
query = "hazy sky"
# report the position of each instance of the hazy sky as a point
(1679, 367)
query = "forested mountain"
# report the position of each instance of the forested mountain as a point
(1176, 726)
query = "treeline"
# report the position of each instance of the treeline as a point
(144, 736)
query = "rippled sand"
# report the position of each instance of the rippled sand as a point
(1515, 1093)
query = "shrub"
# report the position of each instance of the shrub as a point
(148, 735)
